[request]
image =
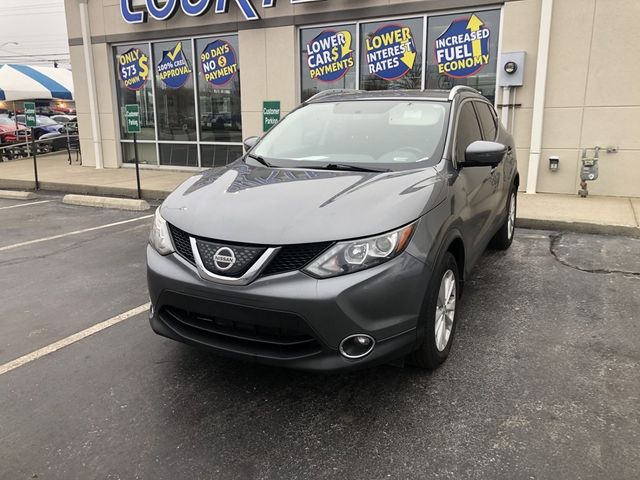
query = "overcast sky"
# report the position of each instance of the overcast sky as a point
(40, 29)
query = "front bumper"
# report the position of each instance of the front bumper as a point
(290, 319)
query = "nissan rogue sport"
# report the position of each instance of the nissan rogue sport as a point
(343, 237)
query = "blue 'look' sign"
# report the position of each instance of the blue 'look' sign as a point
(463, 49)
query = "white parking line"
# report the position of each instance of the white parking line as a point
(30, 357)
(26, 204)
(77, 232)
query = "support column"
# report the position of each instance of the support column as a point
(91, 81)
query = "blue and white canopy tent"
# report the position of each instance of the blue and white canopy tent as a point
(24, 82)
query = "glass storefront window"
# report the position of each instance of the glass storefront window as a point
(327, 59)
(219, 155)
(460, 49)
(175, 103)
(391, 54)
(179, 154)
(161, 77)
(456, 60)
(219, 89)
(146, 153)
(133, 73)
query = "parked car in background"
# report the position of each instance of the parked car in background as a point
(64, 119)
(62, 109)
(344, 236)
(46, 126)
(9, 133)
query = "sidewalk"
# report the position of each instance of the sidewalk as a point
(55, 174)
(612, 215)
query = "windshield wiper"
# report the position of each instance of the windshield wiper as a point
(259, 159)
(349, 167)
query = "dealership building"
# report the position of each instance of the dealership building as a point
(205, 74)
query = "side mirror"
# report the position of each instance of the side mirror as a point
(250, 142)
(484, 154)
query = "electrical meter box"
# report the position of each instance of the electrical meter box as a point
(511, 69)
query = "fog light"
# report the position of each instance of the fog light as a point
(357, 346)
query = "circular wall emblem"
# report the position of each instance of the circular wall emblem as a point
(224, 258)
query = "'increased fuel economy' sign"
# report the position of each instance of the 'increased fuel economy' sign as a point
(463, 49)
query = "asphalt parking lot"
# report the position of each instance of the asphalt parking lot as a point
(543, 381)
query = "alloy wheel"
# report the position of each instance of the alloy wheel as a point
(445, 310)
(511, 220)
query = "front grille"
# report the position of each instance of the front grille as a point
(295, 257)
(290, 257)
(245, 256)
(272, 334)
(182, 243)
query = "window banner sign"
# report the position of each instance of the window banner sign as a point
(219, 63)
(463, 49)
(391, 52)
(330, 56)
(133, 69)
(174, 68)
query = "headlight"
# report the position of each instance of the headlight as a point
(354, 255)
(159, 237)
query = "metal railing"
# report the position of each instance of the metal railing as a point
(23, 148)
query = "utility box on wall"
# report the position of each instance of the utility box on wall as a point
(511, 69)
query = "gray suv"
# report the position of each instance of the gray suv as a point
(343, 238)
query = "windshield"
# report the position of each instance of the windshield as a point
(7, 121)
(388, 133)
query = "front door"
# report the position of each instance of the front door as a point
(475, 184)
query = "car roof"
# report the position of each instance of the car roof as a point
(433, 95)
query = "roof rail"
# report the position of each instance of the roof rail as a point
(332, 91)
(460, 88)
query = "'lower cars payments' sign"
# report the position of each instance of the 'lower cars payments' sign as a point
(330, 56)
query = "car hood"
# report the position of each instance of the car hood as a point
(243, 203)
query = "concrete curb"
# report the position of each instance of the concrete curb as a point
(578, 227)
(106, 202)
(15, 195)
(84, 189)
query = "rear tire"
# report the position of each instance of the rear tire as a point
(439, 316)
(503, 238)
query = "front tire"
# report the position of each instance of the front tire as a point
(439, 316)
(503, 238)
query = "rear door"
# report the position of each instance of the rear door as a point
(474, 186)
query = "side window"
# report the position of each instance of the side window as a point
(487, 120)
(468, 130)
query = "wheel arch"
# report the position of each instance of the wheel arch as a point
(456, 248)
